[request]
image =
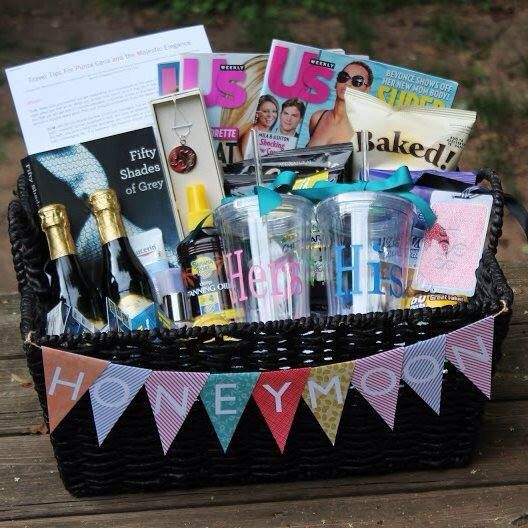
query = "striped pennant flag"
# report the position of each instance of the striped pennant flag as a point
(377, 378)
(112, 393)
(423, 366)
(171, 396)
(470, 350)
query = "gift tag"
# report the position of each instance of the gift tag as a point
(450, 268)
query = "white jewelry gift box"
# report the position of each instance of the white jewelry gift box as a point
(171, 115)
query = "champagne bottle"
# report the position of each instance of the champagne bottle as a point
(67, 281)
(125, 280)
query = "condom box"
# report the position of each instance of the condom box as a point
(306, 85)
(230, 84)
(129, 163)
(179, 109)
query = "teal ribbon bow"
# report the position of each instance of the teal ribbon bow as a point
(399, 183)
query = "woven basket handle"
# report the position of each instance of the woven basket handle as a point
(24, 236)
(497, 210)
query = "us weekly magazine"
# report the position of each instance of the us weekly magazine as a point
(230, 84)
(302, 99)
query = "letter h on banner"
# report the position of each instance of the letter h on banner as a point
(67, 376)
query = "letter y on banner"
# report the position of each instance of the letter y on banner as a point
(68, 376)
(470, 350)
(277, 395)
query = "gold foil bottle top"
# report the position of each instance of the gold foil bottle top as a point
(107, 212)
(56, 225)
(104, 199)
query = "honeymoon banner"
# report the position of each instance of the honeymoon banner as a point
(277, 394)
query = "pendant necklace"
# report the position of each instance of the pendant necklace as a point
(182, 158)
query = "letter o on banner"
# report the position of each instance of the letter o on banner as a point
(378, 372)
(114, 400)
(426, 371)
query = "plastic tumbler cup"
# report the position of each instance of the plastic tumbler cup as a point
(267, 259)
(366, 238)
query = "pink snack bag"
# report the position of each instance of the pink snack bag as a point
(452, 269)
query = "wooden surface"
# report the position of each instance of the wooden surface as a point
(493, 491)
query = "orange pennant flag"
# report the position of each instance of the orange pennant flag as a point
(68, 376)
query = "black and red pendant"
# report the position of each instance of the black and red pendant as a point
(182, 159)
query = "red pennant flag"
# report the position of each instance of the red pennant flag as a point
(68, 376)
(277, 394)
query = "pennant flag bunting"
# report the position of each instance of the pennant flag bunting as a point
(325, 393)
(470, 350)
(67, 376)
(377, 378)
(171, 396)
(423, 366)
(277, 395)
(112, 393)
(225, 397)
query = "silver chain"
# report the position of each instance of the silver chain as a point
(182, 138)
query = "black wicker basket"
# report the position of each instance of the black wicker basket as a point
(131, 458)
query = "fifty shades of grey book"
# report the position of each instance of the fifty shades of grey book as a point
(130, 164)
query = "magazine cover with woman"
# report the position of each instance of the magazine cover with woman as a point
(231, 84)
(302, 99)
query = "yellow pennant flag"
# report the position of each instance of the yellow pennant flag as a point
(325, 393)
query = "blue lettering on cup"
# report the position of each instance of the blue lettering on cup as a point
(395, 279)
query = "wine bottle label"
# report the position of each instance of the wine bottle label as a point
(55, 319)
(76, 323)
(132, 304)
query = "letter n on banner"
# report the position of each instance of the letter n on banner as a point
(171, 396)
(68, 376)
(470, 350)
(377, 378)
(277, 395)
(325, 393)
